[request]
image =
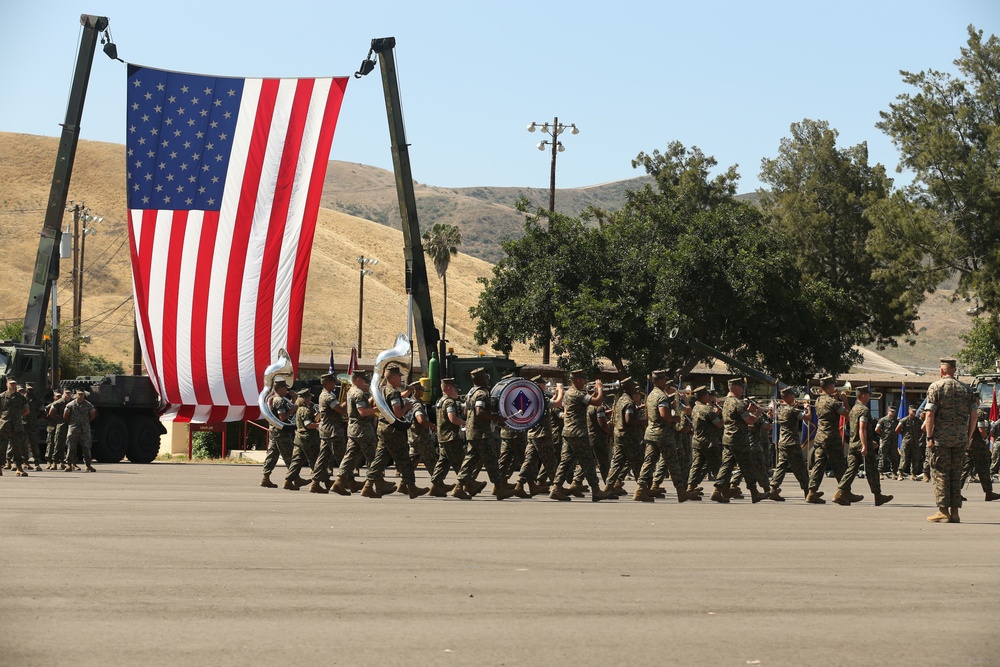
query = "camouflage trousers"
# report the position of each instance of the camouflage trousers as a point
(790, 459)
(911, 459)
(626, 457)
(733, 455)
(854, 462)
(977, 460)
(832, 454)
(888, 457)
(331, 453)
(423, 450)
(539, 455)
(21, 445)
(757, 459)
(10, 443)
(602, 455)
(481, 454)
(451, 454)
(663, 452)
(55, 445)
(512, 453)
(946, 474)
(577, 450)
(305, 452)
(279, 443)
(359, 450)
(391, 443)
(701, 462)
(663, 470)
(995, 463)
(78, 438)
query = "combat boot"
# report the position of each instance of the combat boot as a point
(755, 495)
(657, 491)
(881, 499)
(382, 487)
(927, 479)
(356, 485)
(689, 494)
(502, 492)
(992, 496)
(841, 498)
(953, 517)
(447, 487)
(403, 488)
(775, 495)
(605, 494)
(415, 491)
(559, 493)
(317, 487)
(941, 516)
(342, 487)
(20, 471)
(719, 496)
(734, 492)
(50, 466)
(290, 485)
(460, 492)
(519, 491)
(642, 494)
(90, 468)
(369, 491)
(814, 498)
(475, 487)
(6, 465)
(537, 489)
(39, 468)
(439, 490)
(576, 489)
(854, 497)
(620, 489)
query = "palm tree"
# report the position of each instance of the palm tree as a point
(441, 244)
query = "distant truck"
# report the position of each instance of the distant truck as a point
(984, 385)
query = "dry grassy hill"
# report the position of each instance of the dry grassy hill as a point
(26, 164)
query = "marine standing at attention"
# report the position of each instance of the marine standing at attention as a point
(950, 422)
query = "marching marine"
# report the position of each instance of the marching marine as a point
(864, 451)
(360, 434)
(828, 447)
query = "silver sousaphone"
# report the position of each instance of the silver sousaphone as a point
(281, 369)
(400, 352)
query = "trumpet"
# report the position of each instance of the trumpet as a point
(608, 386)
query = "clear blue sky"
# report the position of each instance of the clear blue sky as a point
(728, 77)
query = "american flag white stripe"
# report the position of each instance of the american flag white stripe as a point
(220, 290)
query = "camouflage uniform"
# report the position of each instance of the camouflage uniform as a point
(977, 459)
(707, 424)
(12, 405)
(576, 447)
(332, 438)
(790, 455)
(663, 468)
(78, 433)
(627, 453)
(420, 440)
(953, 404)
(888, 452)
(760, 438)
(279, 437)
(540, 452)
(306, 443)
(513, 445)
(480, 437)
(599, 439)
(911, 441)
(659, 439)
(828, 446)
(391, 443)
(861, 418)
(55, 450)
(31, 446)
(451, 447)
(736, 445)
(360, 434)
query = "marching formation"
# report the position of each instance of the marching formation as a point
(685, 437)
(67, 433)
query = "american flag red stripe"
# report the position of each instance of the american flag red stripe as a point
(225, 179)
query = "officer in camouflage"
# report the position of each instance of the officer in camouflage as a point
(13, 408)
(32, 446)
(910, 428)
(332, 437)
(481, 453)
(576, 449)
(706, 422)
(513, 444)
(279, 438)
(627, 452)
(888, 452)
(661, 415)
(451, 446)
(360, 434)
(78, 414)
(828, 447)
(864, 450)
(540, 452)
(392, 443)
(978, 458)
(305, 448)
(598, 430)
(790, 458)
(738, 415)
(419, 438)
(951, 421)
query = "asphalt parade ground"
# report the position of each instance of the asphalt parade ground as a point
(184, 564)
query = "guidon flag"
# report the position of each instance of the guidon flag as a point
(224, 181)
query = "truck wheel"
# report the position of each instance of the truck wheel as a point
(144, 438)
(112, 439)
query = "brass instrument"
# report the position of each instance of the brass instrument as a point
(608, 386)
(281, 369)
(400, 352)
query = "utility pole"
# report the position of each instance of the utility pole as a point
(363, 262)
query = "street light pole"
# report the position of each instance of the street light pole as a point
(363, 262)
(557, 147)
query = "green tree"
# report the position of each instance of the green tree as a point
(824, 199)
(441, 244)
(982, 345)
(948, 134)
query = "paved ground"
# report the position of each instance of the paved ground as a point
(197, 565)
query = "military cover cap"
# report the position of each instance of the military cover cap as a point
(327, 376)
(358, 373)
(788, 390)
(698, 391)
(864, 389)
(671, 383)
(304, 392)
(392, 369)
(893, 407)
(537, 379)
(416, 384)
(476, 372)
(578, 374)
(447, 380)
(948, 361)
(83, 391)
(737, 380)
(659, 375)
(826, 379)
(279, 383)
(30, 385)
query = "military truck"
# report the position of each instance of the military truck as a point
(984, 385)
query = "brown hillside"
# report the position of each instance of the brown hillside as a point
(26, 164)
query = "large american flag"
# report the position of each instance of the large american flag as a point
(224, 184)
